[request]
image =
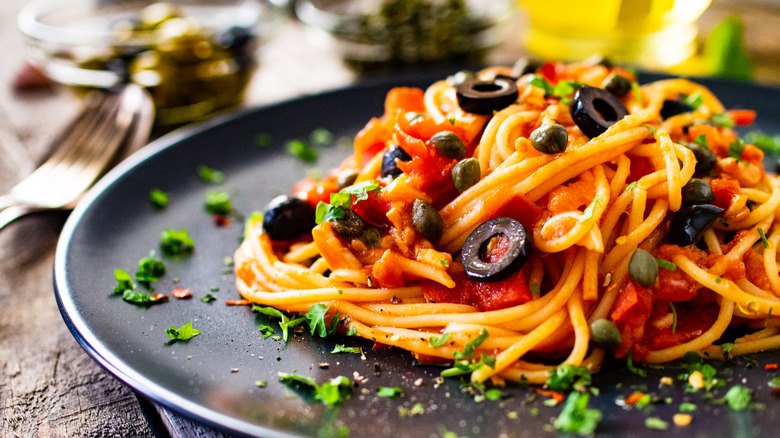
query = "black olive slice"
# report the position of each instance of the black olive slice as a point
(389, 165)
(485, 97)
(473, 255)
(672, 107)
(595, 109)
(288, 218)
(690, 223)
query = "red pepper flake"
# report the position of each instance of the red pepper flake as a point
(555, 395)
(770, 366)
(181, 293)
(160, 297)
(775, 392)
(634, 398)
(237, 303)
(222, 221)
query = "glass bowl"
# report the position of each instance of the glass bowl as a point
(389, 33)
(194, 56)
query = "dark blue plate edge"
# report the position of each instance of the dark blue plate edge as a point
(144, 386)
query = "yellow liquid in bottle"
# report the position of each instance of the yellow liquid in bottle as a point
(649, 33)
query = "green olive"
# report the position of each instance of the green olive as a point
(643, 268)
(697, 191)
(617, 85)
(371, 237)
(351, 226)
(465, 174)
(346, 178)
(605, 334)
(449, 144)
(550, 139)
(426, 220)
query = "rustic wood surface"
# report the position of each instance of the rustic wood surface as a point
(48, 386)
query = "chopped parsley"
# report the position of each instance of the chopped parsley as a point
(736, 148)
(463, 365)
(727, 347)
(722, 120)
(211, 176)
(352, 331)
(695, 100)
(468, 349)
(149, 269)
(656, 423)
(631, 186)
(650, 128)
(567, 377)
(562, 90)
(124, 281)
(218, 202)
(315, 316)
(321, 136)
(176, 243)
(674, 317)
(341, 348)
(158, 198)
(285, 324)
(417, 409)
(534, 289)
(637, 93)
(589, 209)
(763, 237)
(438, 341)
(444, 263)
(266, 330)
(208, 298)
(142, 299)
(738, 398)
(389, 392)
(301, 150)
(774, 383)
(687, 407)
(332, 392)
(183, 333)
(263, 141)
(493, 394)
(630, 365)
(692, 363)
(576, 417)
(342, 201)
(701, 140)
(666, 264)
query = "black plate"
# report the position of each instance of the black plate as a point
(212, 377)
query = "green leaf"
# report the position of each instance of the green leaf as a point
(763, 237)
(765, 142)
(725, 54)
(566, 377)
(341, 199)
(631, 367)
(738, 398)
(589, 209)
(727, 347)
(468, 349)
(301, 150)
(637, 93)
(352, 331)
(316, 319)
(266, 330)
(176, 243)
(218, 202)
(326, 212)
(286, 324)
(361, 190)
(736, 148)
(149, 270)
(694, 100)
(389, 392)
(722, 120)
(674, 317)
(332, 392)
(269, 311)
(775, 382)
(124, 282)
(656, 423)
(208, 298)
(183, 333)
(254, 218)
(321, 136)
(575, 416)
(631, 186)
(341, 348)
(141, 299)
(493, 394)
(540, 82)
(438, 341)
(687, 407)
(158, 198)
(212, 176)
(666, 264)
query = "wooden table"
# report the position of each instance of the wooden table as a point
(48, 385)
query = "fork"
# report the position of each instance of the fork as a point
(110, 123)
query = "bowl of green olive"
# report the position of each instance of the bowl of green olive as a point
(195, 57)
(390, 33)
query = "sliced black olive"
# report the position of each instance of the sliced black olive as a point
(474, 253)
(617, 85)
(672, 107)
(705, 159)
(288, 218)
(697, 191)
(594, 110)
(426, 220)
(351, 226)
(449, 144)
(486, 97)
(689, 223)
(389, 166)
(550, 138)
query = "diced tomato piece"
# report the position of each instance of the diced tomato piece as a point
(313, 191)
(718, 141)
(523, 210)
(692, 322)
(371, 139)
(753, 154)
(405, 99)
(640, 166)
(755, 270)
(483, 295)
(742, 117)
(437, 293)
(725, 191)
(630, 312)
(372, 210)
(677, 285)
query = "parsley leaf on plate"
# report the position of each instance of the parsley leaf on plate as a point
(212, 176)
(341, 348)
(124, 282)
(315, 316)
(576, 417)
(176, 243)
(158, 198)
(301, 150)
(218, 202)
(149, 269)
(183, 333)
(331, 393)
(567, 377)
(389, 392)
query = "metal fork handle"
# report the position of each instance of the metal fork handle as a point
(11, 210)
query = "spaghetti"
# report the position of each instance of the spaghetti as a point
(587, 210)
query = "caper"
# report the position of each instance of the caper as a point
(705, 159)
(465, 174)
(351, 226)
(550, 138)
(449, 144)
(697, 191)
(371, 237)
(643, 268)
(346, 178)
(617, 85)
(426, 220)
(605, 334)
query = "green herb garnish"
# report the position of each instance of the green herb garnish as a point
(341, 348)
(438, 341)
(149, 270)
(301, 150)
(630, 365)
(218, 202)
(566, 377)
(315, 316)
(694, 100)
(212, 176)
(674, 317)
(176, 243)
(124, 281)
(722, 120)
(208, 298)
(183, 333)
(321, 136)
(763, 237)
(158, 198)
(736, 148)
(738, 398)
(589, 209)
(332, 392)
(389, 392)
(656, 423)
(266, 330)
(576, 417)
(666, 264)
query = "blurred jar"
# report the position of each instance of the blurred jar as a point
(655, 34)
(194, 56)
